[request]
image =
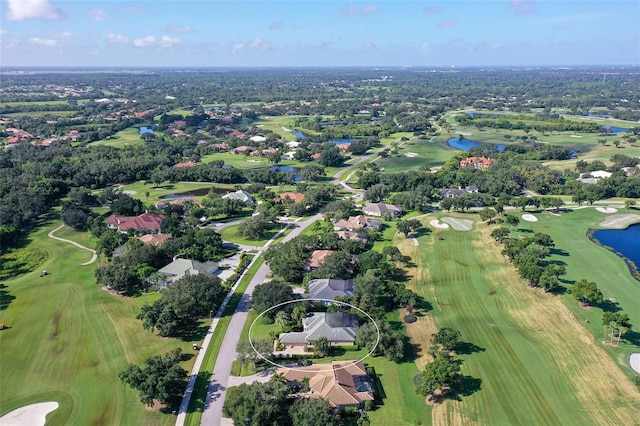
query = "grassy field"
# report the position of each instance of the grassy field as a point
(68, 340)
(230, 233)
(128, 136)
(531, 360)
(429, 154)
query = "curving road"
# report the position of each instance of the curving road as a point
(88, 262)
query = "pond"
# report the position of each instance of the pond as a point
(467, 144)
(293, 170)
(624, 242)
(345, 141)
(298, 134)
(144, 130)
(614, 130)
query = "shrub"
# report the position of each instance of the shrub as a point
(409, 318)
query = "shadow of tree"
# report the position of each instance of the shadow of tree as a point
(467, 348)
(199, 395)
(467, 386)
(5, 297)
(608, 306)
(559, 252)
(192, 331)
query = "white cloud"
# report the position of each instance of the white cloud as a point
(354, 10)
(43, 41)
(497, 46)
(177, 29)
(255, 44)
(98, 15)
(3, 32)
(117, 38)
(19, 10)
(167, 41)
(66, 34)
(145, 41)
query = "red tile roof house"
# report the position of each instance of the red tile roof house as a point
(342, 383)
(477, 162)
(145, 222)
(316, 259)
(296, 197)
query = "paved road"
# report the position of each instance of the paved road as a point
(212, 414)
(88, 262)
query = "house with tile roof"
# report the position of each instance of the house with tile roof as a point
(338, 327)
(181, 268)
(356, 222)
(317, 258)
(380, 209)
(342, 383)
(154, 239)
(296, 197)
(146, 222)
(329, 288)
(481, 163)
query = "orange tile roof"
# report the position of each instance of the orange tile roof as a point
(296, 197)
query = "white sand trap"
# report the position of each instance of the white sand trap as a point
(459, 224)
(575, 136)
(634, 361)
(437, 224)
(130, 192)
(32, 415)
(411, 154)
(464, 133)
(620, 221)
(607, 210)
(529, 217)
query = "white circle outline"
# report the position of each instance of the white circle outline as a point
(306, 300)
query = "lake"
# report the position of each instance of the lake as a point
(467, 144)
(144, 130)
(293, 170)
(613, 129)
(298, 133)
(625, 242)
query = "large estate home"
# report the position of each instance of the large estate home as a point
(356, 222)
(316, 259)
(338, 327)
(146, 222)
(296, 197)
(342, 383)
(482, 163)
(457, 192)
(381, 209)
(329, 288)
(181, 268)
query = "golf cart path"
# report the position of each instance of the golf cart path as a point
(80, 246)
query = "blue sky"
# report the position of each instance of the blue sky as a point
(226, 33)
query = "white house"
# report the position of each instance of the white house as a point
(181, 268)
(241, 195)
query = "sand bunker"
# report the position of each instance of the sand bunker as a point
(575, 136)
(437, 224)
(459, 224)
(529, 217)
(606, 210)
(411, 154)
(32, 415)
(130, 192)
(634, 361)
(620, 221)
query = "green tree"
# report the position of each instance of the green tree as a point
(270, 294)
(446, 337)
(512, 220)
(161, 378)
(618, 320)
(321, 346)
(282, 319)
(587, 292)
(500, 234)
(313, 412)
(439, 375)
(488, 214)
(408, 226)
(258, 404)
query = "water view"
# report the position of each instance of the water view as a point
(345, 141)
(467, 144)
(298, 134)
(613, 129)
(624, 242)
(144, 130)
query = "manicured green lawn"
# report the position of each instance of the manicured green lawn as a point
(129, 136)
(532, 359)
(68, 340)
(230, 233)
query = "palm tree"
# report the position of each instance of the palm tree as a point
(298, 313)
(282, 319)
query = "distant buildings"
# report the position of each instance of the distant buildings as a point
(482, 163)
